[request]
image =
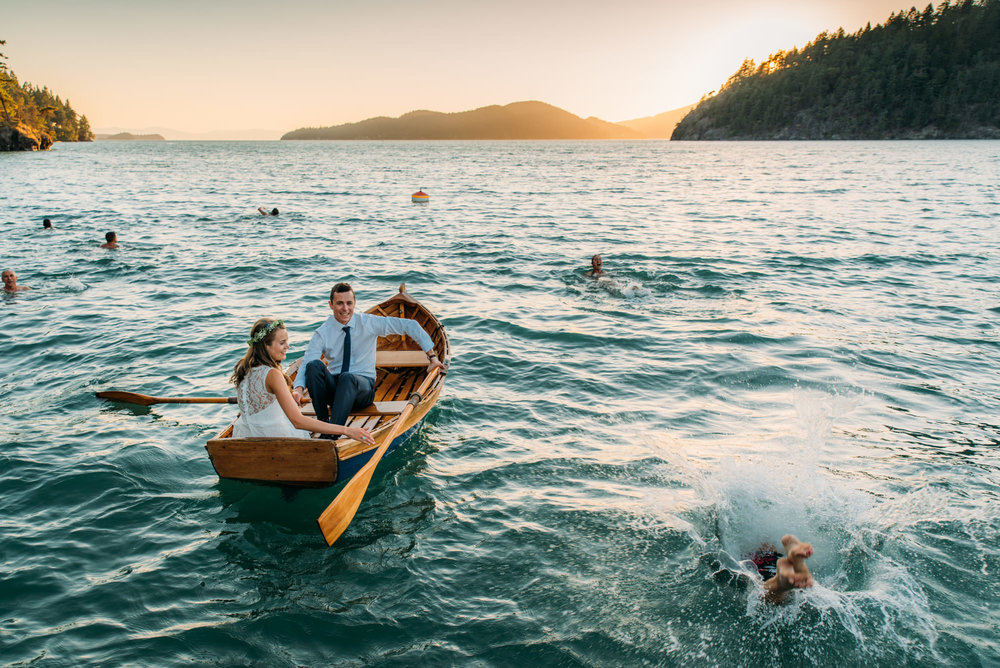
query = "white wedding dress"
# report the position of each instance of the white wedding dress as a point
(260, 412)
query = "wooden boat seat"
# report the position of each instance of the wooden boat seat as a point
(385, 359)
(397, 358)
(377, 408)
(382, 408)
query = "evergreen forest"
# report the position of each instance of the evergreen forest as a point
(922, 74)
(33, 117)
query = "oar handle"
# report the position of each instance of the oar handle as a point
(196, 400)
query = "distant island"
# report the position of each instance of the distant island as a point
(156, 133)
(128, 136)
(518, 120)
(660, 126)
(922, 75)
(32, 118)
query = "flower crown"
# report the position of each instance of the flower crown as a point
(264, 331)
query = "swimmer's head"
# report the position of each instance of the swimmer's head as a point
(274, 211)
(596, 261)
(111, 237)
(46, 224)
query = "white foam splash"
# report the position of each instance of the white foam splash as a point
(745, 502)
(628, 290)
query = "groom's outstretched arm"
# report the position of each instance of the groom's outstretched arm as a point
(390, 325)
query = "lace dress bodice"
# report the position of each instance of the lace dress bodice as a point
(260, 412)
(251, 394)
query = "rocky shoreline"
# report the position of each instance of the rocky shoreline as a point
(22, 138)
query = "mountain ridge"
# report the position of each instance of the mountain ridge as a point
(529, 119)
(660, 126)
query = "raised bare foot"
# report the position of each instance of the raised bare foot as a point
(784, 575)
(796, 553)
(793, 544)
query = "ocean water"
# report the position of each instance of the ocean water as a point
(795, 337)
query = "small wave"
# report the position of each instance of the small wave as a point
(709, 290)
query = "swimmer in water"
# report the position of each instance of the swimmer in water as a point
(10, 282)
(782, 574)
(596, 263)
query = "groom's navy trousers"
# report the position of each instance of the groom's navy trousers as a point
(334, 396)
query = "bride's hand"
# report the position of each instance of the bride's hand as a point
(362, 435)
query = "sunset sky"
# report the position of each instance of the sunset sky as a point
(237, 65)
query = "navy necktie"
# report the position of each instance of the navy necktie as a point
(345, 366)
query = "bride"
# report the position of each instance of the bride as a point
(264, 395)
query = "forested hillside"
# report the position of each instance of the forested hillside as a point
(922, 74)
(33, 117)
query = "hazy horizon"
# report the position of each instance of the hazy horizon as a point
(257, 134)
(252, 67)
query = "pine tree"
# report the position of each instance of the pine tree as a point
(83, 132)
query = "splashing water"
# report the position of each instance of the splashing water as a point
(862, 589)
(623, 288)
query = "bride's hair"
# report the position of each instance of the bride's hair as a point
(261, 335)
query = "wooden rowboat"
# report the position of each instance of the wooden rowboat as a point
(401, 367)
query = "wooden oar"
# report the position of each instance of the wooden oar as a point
(338, 515)
(377, 408)
(145, 400)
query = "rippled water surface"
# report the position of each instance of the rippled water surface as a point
(796, 337)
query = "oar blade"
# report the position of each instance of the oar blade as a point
(338, 515)
(127, 397)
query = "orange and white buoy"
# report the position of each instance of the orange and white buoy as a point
(420, 196)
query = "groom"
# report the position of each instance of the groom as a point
(348, 340)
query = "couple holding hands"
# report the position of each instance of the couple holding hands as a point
(269, 402)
